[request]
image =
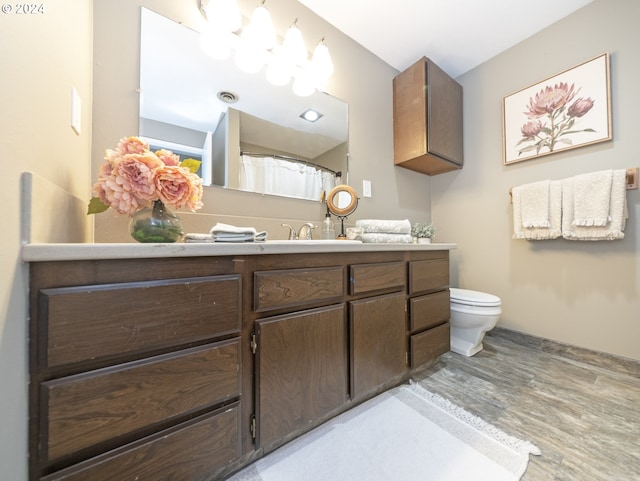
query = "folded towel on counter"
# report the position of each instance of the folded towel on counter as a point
(592, 198)
(385, 226)
(534, 203)
(617, 212)
(194, 238)
(228, 233)
(530, 230)
(386, 238)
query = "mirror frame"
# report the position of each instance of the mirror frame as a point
(332, 204)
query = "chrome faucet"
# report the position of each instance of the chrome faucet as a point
(305, 231)
(292, 232)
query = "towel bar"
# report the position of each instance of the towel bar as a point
(632, 181)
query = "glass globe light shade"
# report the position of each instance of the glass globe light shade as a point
(224, 15)
(260, 30)
(293, 47)
(321, 64)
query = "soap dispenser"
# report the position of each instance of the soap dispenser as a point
(328, 230)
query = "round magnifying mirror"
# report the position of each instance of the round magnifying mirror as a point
(342, 200)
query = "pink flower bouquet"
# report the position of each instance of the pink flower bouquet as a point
(134, 177)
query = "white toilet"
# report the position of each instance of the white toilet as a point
(473, 314)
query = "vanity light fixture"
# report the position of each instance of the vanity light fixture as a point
(311, 115)
(255, 46)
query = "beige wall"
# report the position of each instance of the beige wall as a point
(42, 57)
(581, 293)
(361, 79)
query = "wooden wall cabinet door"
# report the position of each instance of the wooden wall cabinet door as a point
(301, 370)
(378, 342)
(427, 120)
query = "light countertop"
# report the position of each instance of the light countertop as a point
(65, 252)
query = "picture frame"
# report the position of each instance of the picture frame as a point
(569, 110)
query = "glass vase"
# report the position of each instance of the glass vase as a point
(156, 224)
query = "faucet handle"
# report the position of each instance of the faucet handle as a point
(292, 232)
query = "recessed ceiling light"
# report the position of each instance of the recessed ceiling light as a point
(310, 115)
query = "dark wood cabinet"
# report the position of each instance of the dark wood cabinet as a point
(136, 369)
(301, 370)
(429, 309)
(427, 120)
(378, 343)
(190, 368)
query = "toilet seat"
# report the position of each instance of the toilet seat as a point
(468, 297)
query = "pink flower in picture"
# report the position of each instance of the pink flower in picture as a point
(552, 119)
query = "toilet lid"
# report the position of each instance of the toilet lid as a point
(473, 298)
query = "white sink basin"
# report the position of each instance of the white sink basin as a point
(314, 241)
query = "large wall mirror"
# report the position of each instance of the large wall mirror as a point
(249, 134)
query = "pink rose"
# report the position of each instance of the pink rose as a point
(132, 145)
(178, 187)
(168, 157)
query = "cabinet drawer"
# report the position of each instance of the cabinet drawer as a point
(384, 276)
(297, 287)
(90, 322)
(428, 275)
(428, 345)
(191, 450)
(429, 311)
(86, 409)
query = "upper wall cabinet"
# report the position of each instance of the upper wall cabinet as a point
(427, 119)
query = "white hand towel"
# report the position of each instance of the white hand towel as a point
(385, 226)
(592, 198)
(614, 229)
(554, 229)
(386, 238)
(534, 203)
(229, 233)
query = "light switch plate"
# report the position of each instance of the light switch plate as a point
(366, 188)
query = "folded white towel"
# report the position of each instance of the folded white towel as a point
(230, 233)
(196, 238)
(386, 238)
(614, 228)
(592, 198)
(385, 226)
(554, 229)
(534, 203)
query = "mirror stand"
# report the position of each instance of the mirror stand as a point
(342, 235)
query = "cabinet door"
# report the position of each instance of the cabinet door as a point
(301, 370)
(427, 119)
(444, 115)
(378, 342)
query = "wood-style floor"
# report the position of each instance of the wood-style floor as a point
(582, 409)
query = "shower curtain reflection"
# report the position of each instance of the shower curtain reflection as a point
(272, 174)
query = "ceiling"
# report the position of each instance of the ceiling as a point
(457, 35)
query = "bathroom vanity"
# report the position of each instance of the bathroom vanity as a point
(189, 361)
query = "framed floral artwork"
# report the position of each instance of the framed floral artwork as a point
(569, 110)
